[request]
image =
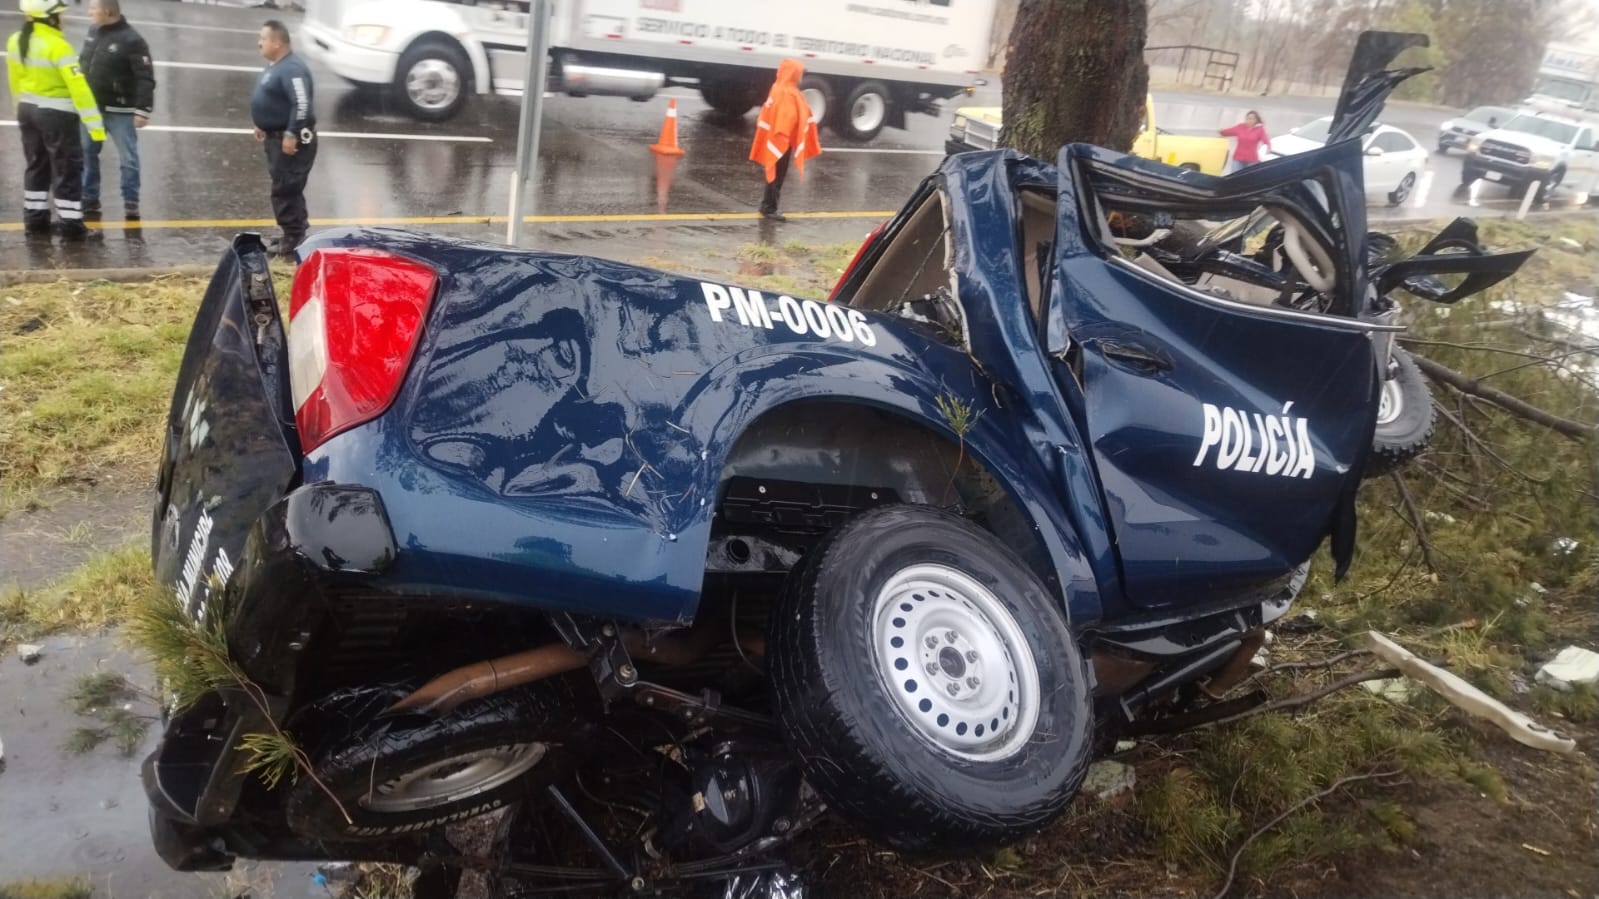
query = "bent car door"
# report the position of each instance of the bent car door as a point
(1228, 435)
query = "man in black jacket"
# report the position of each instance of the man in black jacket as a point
(116, 63)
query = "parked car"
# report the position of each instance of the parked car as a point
(1536, 148)
(1394, 160)
(672, 565)
(1459, 131)
(978, 128)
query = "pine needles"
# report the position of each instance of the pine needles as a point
(191, 658)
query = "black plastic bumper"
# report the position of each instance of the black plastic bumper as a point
(1510, 173)
(194, 780)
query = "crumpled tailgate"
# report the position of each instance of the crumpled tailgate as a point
(231, 448)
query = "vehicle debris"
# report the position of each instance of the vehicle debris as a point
(1464, 696)
(1572, 665)
(1107, 779)
(1393, 689)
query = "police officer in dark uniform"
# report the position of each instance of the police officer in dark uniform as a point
(286, 123)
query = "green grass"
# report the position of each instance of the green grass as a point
(99, 594)
(794, 268)
(61, 888)
(87, 369)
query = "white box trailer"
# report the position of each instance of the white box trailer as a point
(868, 62)
(1568, 81)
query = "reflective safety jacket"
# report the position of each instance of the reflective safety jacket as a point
(49, 77)
(786, 124)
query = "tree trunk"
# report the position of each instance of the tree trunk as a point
(1074, 73)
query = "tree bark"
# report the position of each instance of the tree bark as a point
(1075, 73)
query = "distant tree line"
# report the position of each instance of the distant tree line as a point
(1483, 51)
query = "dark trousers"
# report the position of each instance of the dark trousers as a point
(774, 187)
(289, 174)
(54, 154)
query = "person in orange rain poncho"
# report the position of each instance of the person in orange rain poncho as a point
(786, 130)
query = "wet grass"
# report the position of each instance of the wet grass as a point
(87, 369)
(101, 593)
(794, 268)
(60, 888)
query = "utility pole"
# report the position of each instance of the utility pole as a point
(527, 135)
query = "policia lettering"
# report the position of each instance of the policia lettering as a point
(52, 100)
(799, 316)
(1258, 444)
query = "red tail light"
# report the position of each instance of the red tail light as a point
(355, 316)
(856, 259)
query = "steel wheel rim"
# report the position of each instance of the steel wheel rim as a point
(432, 83)
(868, 111)
(453, 779)
(1390, 403)
(817, 101)
(955, 662)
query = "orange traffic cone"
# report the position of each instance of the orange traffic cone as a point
(667, 145)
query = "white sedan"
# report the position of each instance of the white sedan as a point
(1394, 160)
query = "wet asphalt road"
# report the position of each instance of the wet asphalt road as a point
(208, 180)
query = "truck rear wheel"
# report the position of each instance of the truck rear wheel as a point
(928, 683)
(864, 112)
(377, 776)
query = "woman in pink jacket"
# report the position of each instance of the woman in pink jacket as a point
(1251, 133)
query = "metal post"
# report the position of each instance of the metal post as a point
(527, 136)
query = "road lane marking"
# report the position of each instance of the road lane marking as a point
(207, 66)
(619, 218)
(341, 135)
(145, 24)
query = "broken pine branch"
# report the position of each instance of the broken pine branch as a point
(1576, 430)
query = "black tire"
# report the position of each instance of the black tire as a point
(818, 85)
(848, 124)
(426, 60)
(730, 98)
(1408, 429)
(358, 761)
(1402, 193)
(855, 742)
(1548, 186)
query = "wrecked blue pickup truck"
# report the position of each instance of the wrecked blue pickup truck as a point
(670, 567)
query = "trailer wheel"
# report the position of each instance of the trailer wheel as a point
(819, 96)
(864, 112)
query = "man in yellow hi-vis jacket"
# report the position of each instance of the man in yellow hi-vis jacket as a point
(52, 99)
